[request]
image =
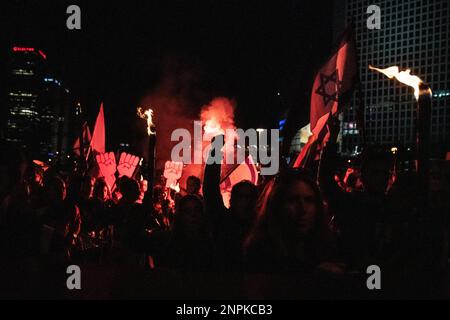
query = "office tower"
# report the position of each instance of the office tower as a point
(414, 34)
(36, 111)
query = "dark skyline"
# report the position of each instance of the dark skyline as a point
(248, 51)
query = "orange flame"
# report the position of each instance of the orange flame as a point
(212, 127)
(218, 118)
(402, 76)
(147, 115)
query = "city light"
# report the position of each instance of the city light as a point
(440, 94)
(43, 55)
(52, 80)
(22, 72)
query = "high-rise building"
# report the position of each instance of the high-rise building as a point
(414, 35)
(36, 105)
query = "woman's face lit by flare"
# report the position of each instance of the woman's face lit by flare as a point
(300, 206)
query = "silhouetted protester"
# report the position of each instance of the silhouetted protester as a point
(73, 183)
(82, 188)
(19, 228)
(230, 226)
(131, 223)
(413, 249)
(187, 247)
(35, 177)
(149, 209)
(291, 241)
(380, 225)
(162, 211)
(16, 215)
(60, 224)
(193, 186)
(98, 209)
(96, 212)
(180, 256)
(351, 181)
(358, 215)
(61, 220)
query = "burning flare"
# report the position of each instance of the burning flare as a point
(147, 115)
(218, 119)
(402, 76)
(212, 128)
(217, 116)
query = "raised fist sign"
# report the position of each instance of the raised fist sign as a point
(127, 164)
(172, 172)
(107, 164)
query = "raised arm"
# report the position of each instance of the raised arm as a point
(211, 181)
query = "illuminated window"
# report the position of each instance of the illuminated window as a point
(22, 72)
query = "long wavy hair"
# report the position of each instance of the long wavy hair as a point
(273, 230)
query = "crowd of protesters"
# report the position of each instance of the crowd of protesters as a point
(300, 235)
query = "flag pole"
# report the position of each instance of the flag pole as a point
(308, 155)
(361, 115)
(319, 166)
(88, 153)
(151, 158)
(330, 116)
(81, 132)
(82, 165)
(423, 142)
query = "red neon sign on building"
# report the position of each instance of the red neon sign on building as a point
(23, 49)
(42, 54)
(26, 49)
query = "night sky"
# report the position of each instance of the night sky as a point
(245, 50)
